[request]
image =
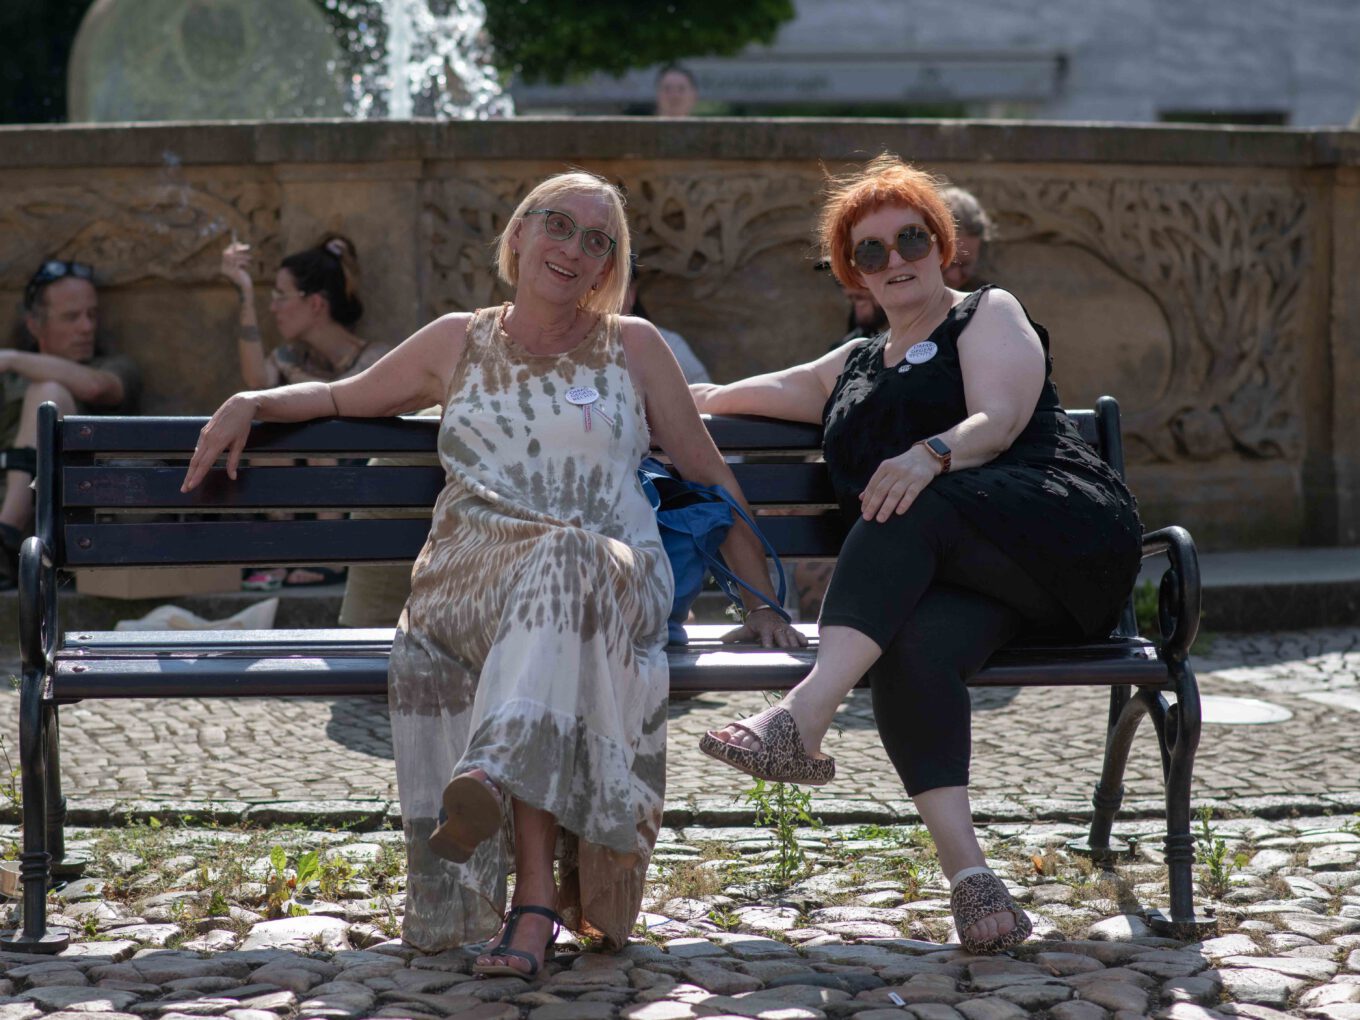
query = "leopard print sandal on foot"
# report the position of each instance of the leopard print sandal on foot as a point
(979, 893)
(780, 758)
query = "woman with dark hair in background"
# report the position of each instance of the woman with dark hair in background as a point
(315, 304)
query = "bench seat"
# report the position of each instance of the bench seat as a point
(339, 663)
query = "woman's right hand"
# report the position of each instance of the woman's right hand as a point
(236, 267)
(227, 431)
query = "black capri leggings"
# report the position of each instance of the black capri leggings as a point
(939, 598)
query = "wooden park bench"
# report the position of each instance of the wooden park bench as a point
(108, 496)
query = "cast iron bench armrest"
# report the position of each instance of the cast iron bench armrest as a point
(1178, 595)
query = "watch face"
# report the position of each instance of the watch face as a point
(938, 447)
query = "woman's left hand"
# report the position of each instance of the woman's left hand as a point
(897, 483)
(769, 628)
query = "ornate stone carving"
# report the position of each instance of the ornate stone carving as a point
(701, 227)
(1225, 262)
(171, 230)
(462, 219)
(705, 227)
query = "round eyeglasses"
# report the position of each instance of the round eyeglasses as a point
(913, 243)
(560, 227)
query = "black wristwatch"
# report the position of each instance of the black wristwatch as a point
(938, 449)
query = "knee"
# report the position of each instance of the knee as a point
(39, 393)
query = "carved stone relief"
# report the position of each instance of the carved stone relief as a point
(169, 230)
(1226, 263)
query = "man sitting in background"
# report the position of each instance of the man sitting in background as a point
(61, 364)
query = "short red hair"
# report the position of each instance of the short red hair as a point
(884, 181)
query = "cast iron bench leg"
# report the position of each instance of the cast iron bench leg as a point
(1109, 793)
(1179, 738)
(34, 937)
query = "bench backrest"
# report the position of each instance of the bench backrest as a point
(109, 489)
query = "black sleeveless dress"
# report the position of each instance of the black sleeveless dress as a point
(1049, 501)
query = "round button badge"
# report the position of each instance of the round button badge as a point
(582, 395)
(922, 352)
(919, 354)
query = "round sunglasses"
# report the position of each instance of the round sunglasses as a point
(560, 227)
(913, 243)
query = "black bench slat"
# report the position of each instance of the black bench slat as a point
(138, 487)
(365, 540)
(146, 436)
(279, 543)
(255, 487)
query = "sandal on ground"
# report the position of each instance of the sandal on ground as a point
(262, 580)
(472, 813)
(975, 896)
(324, 576)
(502, 946)
(780, 758)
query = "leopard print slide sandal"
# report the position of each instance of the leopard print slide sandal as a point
(780, 758)
(979, 893)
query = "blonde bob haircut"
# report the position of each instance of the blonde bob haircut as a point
(608, 299)
(883, 181)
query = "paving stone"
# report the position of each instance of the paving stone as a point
(751, 947)
(81, 999)
(1313, 970)
(147, 934)
(1330, 995)
(1116, 996)
(1253, 985)
(991, 1008)
(1198, 989)
(691, 948)
(1036, 996)
(1077, 1009)
(719, 980)
(1228, 945)
(1319, 927)
(1067, 963)
(933, 1011)
(1119, 929)
(299, 933)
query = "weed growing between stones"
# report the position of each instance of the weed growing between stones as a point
(784, 808)
(1214, 857)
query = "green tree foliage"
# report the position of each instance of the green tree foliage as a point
(553, 40)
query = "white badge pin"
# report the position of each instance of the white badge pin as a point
(919, 354)
(583, 397)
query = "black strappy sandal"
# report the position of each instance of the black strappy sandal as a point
(502, 946)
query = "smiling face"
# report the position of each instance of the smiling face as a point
(65, 320)
(904, 285)
(561, 272)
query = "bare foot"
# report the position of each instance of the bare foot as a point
(990, 927)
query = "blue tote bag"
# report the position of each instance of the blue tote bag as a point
(694, 520)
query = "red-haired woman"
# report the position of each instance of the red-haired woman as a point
(978, 512)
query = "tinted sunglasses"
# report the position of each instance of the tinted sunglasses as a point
(913, 243)
(50, 272)
(560, 227)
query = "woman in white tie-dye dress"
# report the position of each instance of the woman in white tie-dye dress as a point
(528, 678)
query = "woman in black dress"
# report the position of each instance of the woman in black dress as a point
(978, 512)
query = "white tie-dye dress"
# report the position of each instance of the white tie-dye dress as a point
(533, 642)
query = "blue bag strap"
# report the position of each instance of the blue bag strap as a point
(724, 576)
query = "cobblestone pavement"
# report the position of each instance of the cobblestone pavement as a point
(173, 923)
(1037, 752)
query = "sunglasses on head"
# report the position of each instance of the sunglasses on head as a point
(50, 272)
(560, 227)
(913, 243)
